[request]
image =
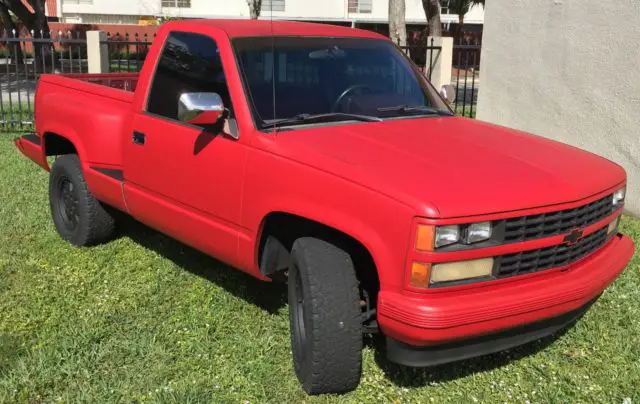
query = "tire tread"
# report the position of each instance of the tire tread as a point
(98, 225)
(336, 354)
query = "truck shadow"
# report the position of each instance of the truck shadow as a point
(271, 297)
(403, 376)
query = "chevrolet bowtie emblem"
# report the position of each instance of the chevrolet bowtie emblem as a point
(573, 237)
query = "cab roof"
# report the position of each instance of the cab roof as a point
(255, 28)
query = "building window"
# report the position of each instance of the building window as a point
(444, 7)
(176, 3)
(360, 6)
(272, 5)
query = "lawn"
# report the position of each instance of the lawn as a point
(16, 116)
(144, 318)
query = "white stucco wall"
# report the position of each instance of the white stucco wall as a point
(568, 70)
(323, 10)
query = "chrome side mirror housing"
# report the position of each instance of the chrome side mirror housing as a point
(448, 92)
(200, 108)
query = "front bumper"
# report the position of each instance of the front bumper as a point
(439, 318)
(433, 355)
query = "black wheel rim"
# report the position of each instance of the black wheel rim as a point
(298, 316)
(68, 204)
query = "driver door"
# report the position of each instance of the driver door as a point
(184, 178)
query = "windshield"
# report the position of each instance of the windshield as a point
(334, 79)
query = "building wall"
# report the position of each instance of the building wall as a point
(96, 11)
(123, 7)
(567, 70)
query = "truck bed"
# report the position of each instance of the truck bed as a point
(118, 86)
(120, 81)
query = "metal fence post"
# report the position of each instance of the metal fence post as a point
(97, 52)
(441, 60)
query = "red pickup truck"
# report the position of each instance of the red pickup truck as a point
(321, 155)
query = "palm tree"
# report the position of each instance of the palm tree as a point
(397, 24)
(255, 6)
(462, 7)
(432, 12)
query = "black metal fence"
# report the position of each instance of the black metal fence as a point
(465, 78)
(465, 72)
(126, 52)
(23, 58)
(423, 56)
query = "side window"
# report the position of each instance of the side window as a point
(188, 63)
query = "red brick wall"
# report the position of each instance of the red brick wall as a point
(52, 8)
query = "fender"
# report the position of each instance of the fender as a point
(64, 130)
(358, 212)
(388, 260)
(337, 220)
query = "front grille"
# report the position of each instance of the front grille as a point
(549, 257)
(530, 227)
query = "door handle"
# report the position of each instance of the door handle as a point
(138, 137)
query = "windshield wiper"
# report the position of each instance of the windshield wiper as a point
(328, 117)
(405, 109)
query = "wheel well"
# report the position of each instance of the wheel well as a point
(55, 145)
(281, 230)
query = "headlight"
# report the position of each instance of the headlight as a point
(446, 235)
(430, 237)
(478, 232)
(618, 196)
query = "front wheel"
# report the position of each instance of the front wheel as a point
(325, 317)
(78, 216)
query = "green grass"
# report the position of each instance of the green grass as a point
(144, 318)
(14, 114)
(469, 111)
(121, 66)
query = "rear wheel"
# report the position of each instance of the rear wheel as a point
(325, 317)
(78, 216)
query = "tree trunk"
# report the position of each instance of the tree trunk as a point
(432, 12)
(397, 25)
(40, 29)
(37, 24)
(459, 29)
(15, 50)
(255, 7)
(20, 11)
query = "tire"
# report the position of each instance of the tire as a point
(78, 216)
(325, 317)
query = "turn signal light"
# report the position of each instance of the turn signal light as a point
(613, 226)
(424, 237)
(420, 274)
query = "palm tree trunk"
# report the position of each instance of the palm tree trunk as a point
(397, 25)
(40, 25)
(255, 6)
(459, 29)
(432, 12)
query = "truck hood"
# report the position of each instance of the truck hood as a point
(451, 167)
